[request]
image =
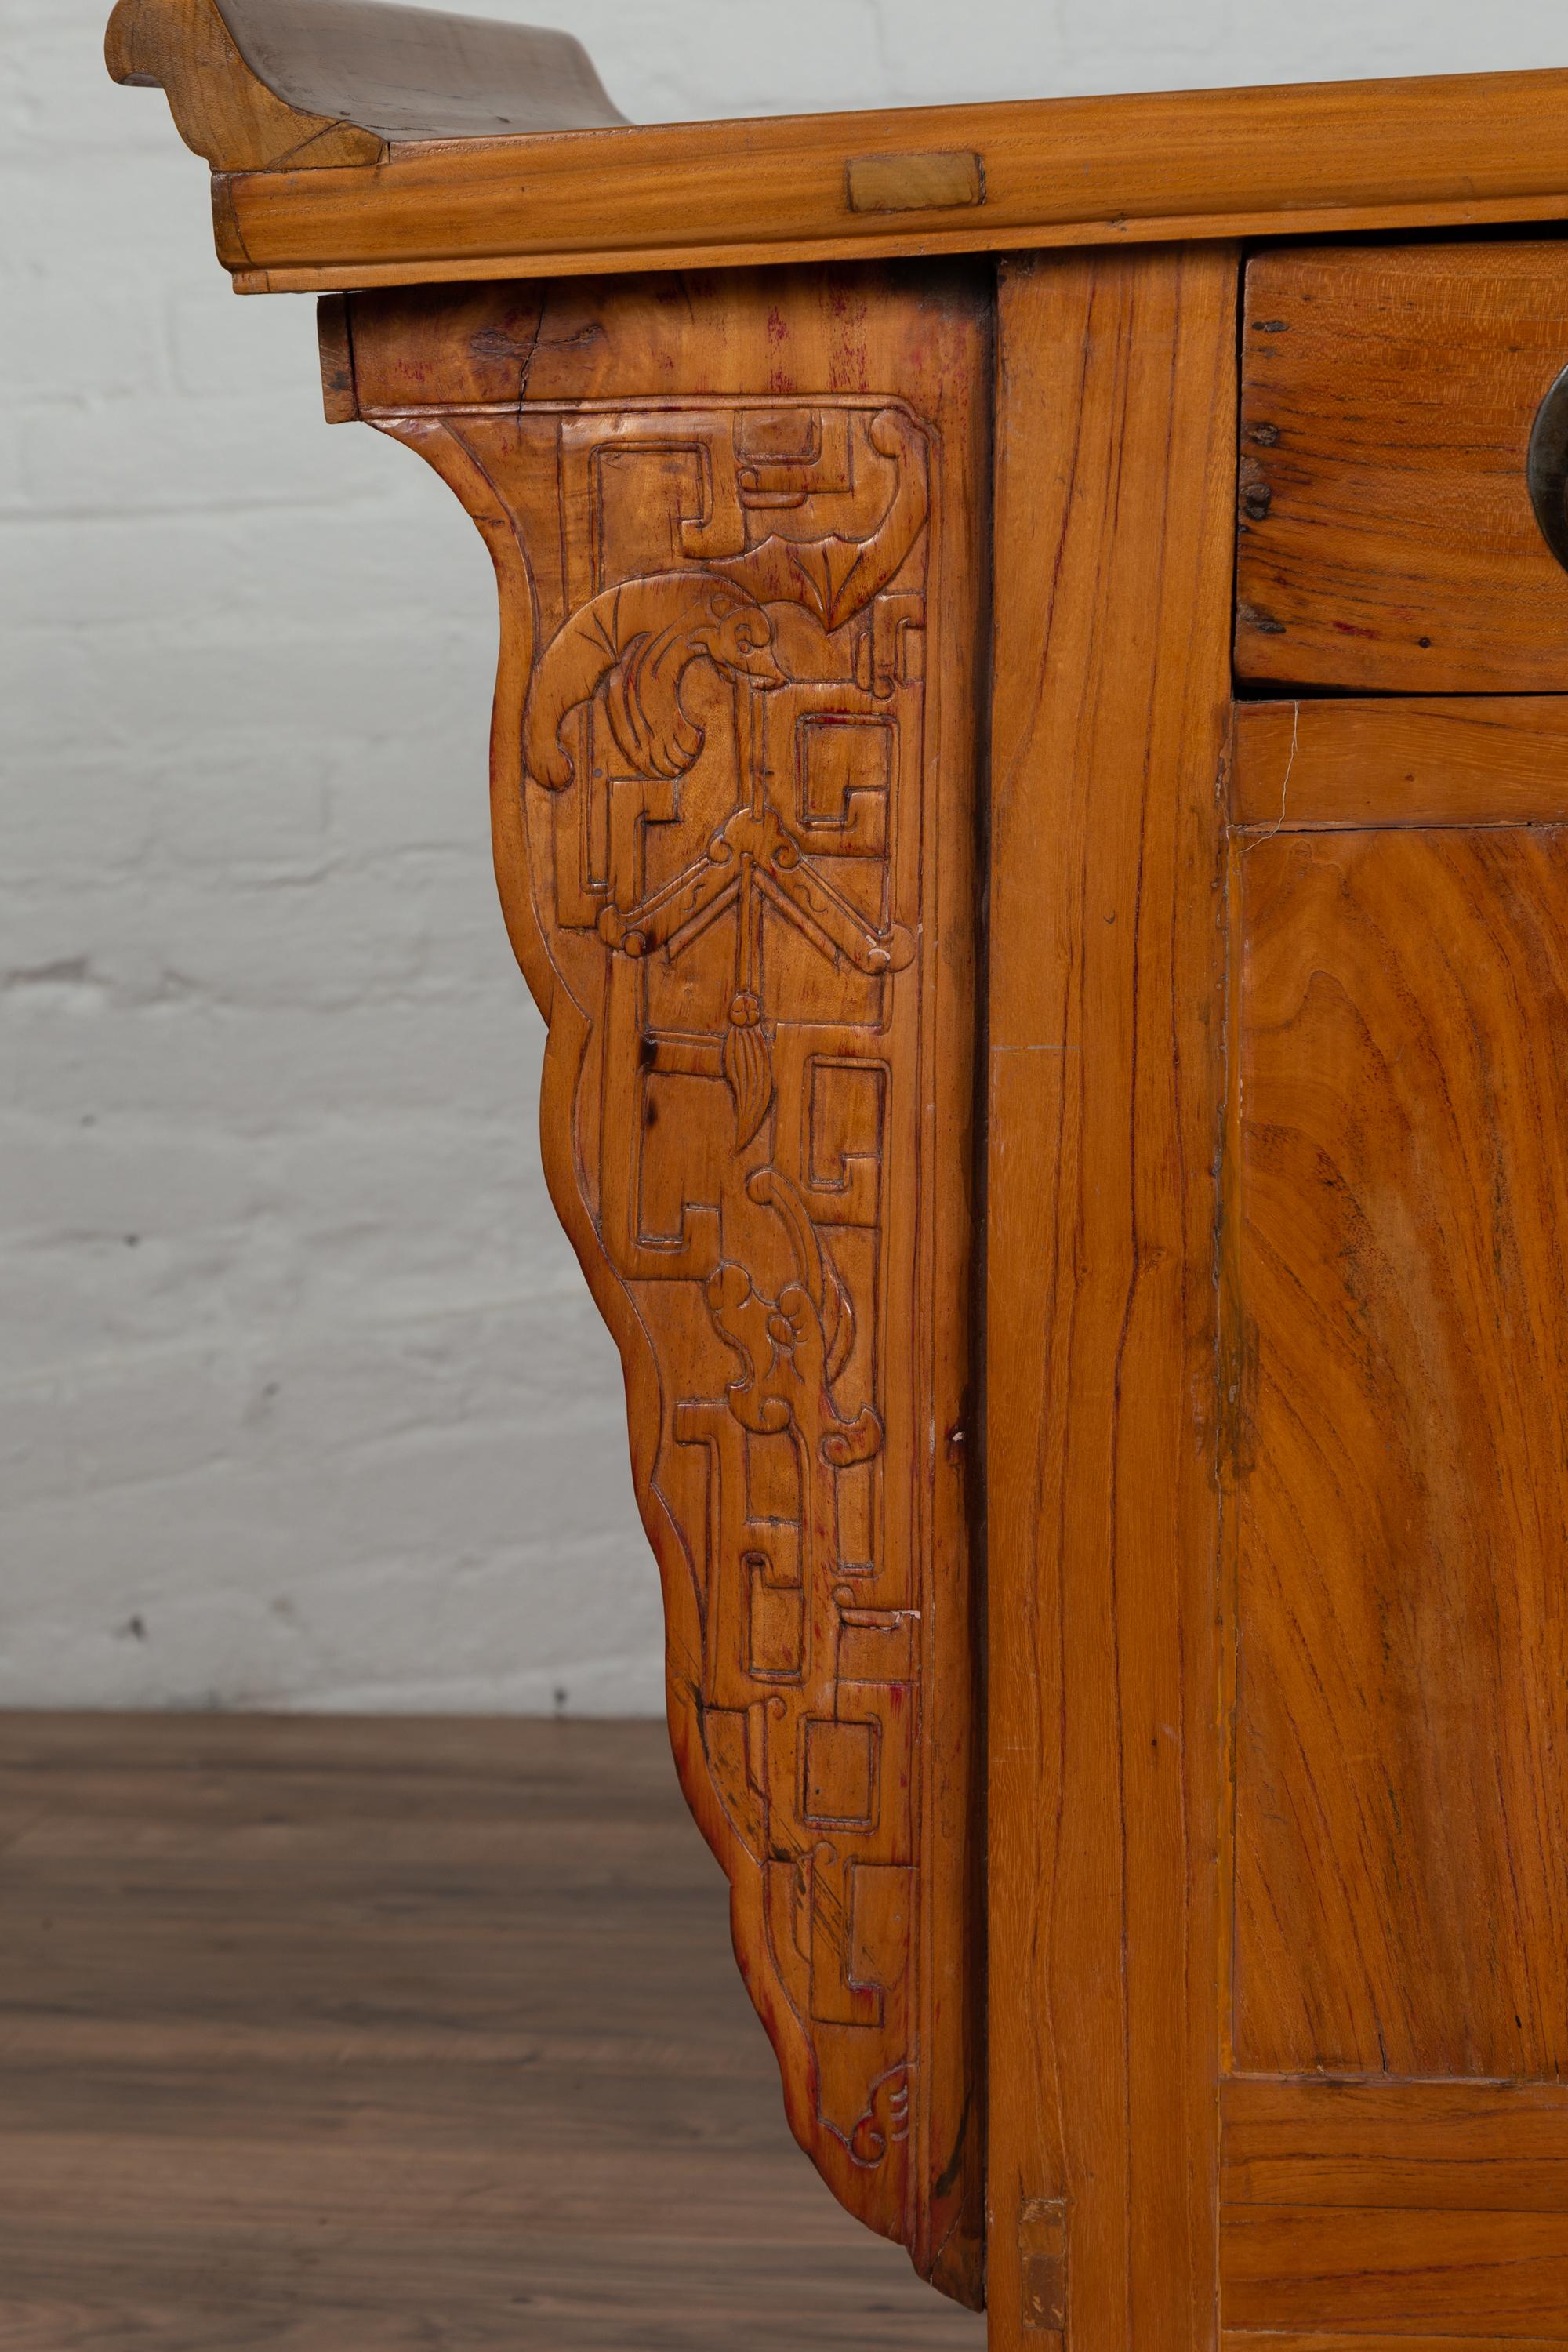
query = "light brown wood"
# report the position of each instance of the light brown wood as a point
(1216, 164)
(334, 347)
(1419, 2147)
(1400, 1515)
(1108, 726)
(298, 85)
(222, 110)
(1274, 1011)
(733, 794)
(1458, 760)
(911, 183)
(412, 73)
(1487, 2275)
(257, 215)
(1291, 2339)
(361, 2036)
(1387, 541)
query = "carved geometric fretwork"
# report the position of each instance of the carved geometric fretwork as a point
(717, 753)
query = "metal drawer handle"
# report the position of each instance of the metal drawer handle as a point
(1546, 469)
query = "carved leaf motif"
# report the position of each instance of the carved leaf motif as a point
(838, 1316)
(748, 1067)
(638, 641)
(836, 577)
(887, 2119)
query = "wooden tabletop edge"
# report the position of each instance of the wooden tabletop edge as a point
(300, 209)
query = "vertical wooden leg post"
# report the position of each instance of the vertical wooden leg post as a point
(1113, 530)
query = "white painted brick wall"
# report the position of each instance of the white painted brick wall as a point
(304, 1402)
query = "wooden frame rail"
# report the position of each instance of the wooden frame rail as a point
(333, 166)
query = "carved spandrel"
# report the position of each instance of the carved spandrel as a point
(757, 898)
(714, 706)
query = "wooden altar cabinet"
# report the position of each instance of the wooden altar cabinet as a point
(1028, 781)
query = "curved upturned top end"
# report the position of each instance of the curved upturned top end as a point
(259, 85)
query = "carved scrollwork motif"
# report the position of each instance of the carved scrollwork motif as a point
(753, 910)
(712, 719)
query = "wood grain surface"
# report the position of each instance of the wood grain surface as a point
(1356, 2339)
(1109, 721)
(1346, 763)
(372, 2037)
(300, 85)
(1419, 2147)
(1402, 1514)
(1276, 1891)
(1443, 2273)
(1196, 164)
(735, 812)
(1387, 538)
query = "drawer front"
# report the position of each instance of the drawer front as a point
(1386, 536)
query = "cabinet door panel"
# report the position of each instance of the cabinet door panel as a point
(1401, 1526)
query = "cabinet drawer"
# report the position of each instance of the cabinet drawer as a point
(1387, 541)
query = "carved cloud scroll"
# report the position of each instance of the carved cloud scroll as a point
(736, 527)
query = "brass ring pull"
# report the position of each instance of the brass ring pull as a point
(1546, 469)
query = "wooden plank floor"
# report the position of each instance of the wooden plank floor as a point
(416, 2036)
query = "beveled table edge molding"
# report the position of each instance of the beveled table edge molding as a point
(307, 202)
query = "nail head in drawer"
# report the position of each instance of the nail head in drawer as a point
(1386, 539)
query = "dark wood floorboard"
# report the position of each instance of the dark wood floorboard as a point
(330, 2035)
